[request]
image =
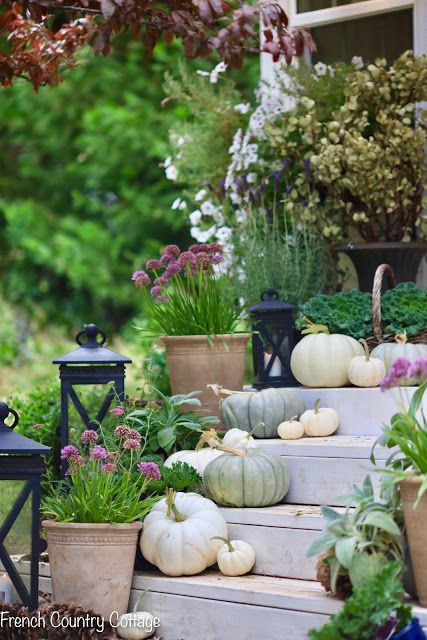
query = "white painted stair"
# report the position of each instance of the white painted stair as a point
(281, 598)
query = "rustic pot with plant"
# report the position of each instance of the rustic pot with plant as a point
(407, 434)
(193, 307)
(96, 518)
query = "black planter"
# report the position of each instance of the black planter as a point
(412, 631)
(403, 257)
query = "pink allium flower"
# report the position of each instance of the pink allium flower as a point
(98, 453)
(171, 249)
(173, 269)
(149, 470)
(141, 279)
(117, 411)
(89, 436)
(153, 265)
(37, 426)
(109, 467)
(122, 431)
(155, 291)
(418, 369)
(132, 444)
(69, 451)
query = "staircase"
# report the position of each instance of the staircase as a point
(280, 599)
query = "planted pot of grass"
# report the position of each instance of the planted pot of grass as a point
(191, 303)
(95, 520)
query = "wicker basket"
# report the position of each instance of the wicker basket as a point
(378, 337)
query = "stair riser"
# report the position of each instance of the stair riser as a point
(280, 552)
(319, 481)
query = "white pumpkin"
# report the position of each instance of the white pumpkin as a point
(197, 459)
(239, 439)
(320, 422)
(321, 359)
(235, 557)
(290, 429)
(364, 371)
(401, 348)
(178, 532)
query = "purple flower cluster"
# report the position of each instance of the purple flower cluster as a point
(173, 263)
(149, 470)
(403, 370)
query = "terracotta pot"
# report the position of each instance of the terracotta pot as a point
(403, 257)
(194, 362)
(92, 564)
(416, 527)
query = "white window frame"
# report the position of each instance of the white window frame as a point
(354, 11)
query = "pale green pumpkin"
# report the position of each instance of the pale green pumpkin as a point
(254, 479)
(261, 411)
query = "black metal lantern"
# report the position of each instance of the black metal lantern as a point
(272, 341)
(21, 467)
(90, 364)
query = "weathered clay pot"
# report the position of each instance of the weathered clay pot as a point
(92, 564)
(416, 527)
(194, 362)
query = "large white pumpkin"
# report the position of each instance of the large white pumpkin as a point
(400, 348)
(321, 359)
(178, 532)
(197, 459)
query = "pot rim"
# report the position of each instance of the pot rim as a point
(54, 524)
(216, 336)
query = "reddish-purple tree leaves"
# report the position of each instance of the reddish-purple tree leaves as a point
(39, 37)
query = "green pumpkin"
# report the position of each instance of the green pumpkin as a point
(270, 406)
(257, 479)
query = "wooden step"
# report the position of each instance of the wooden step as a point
(281, 537)
(212, 607)
(324, 468)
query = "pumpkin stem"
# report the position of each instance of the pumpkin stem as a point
(139, 600)
(401, 338)
(172, 509)
(366, 347)
(314, 328)
(316, 405)
(225, 541)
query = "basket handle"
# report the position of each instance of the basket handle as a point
(383, 269)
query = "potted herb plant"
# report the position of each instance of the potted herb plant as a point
(95, 518)
(408, 467)
(375, 611)
(193, 307)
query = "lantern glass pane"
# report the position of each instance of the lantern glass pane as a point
(18, 540)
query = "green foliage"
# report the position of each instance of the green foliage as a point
(296, 264)
(363, 538)
(369, 609)
(180, 477)
(403, 308)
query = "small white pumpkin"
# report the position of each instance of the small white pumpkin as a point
(235, 557)
(178, 532)
(137, 625)
(320, 422)
(239, 439)
(400, 348)
(321, 359)
(290, 429)
(197, 459)
(364, 371)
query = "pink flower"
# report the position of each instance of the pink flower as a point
(122, 431)
(109, 467)
(155, 291)
(141, 279)
(37, 426)
(69, 451)
(153, 265)
(98, 453)
(132, 444)
(89, 436)
(171, 249)
(117, 411)
(149, 470)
